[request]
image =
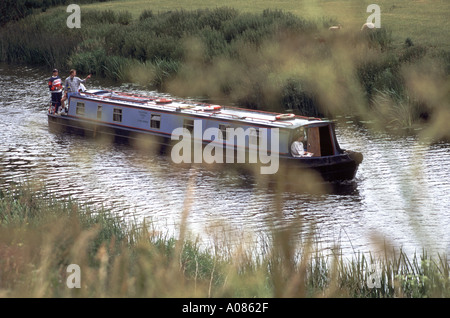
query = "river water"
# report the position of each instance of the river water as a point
(400, 195)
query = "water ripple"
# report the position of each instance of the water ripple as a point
(401, 192)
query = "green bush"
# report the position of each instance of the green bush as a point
(146, 14)
(37, 48)
(116, 68)
(379, 74)
(94, 17)
(297, 97)
(412, 54)
(91, 62)
(215, 18)
(214, 42)
(13, 10)
(444, 56)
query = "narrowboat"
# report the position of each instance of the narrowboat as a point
(133, 116)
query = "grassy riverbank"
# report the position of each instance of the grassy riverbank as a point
(425, 22)
(272, 56)
(40, 237)
(14, 10)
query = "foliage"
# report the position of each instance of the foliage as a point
(119, 260)
(13, 10)
(273, 60)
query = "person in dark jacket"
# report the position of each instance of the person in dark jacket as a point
(55, 87)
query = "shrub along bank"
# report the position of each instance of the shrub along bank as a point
(273, 60)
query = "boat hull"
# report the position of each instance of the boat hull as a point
(339, 167)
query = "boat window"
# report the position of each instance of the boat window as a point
(223, 135)
(253, 136)
(99, 111)
(189, 125)
(80, 108)
(117, 115)
(155, 121)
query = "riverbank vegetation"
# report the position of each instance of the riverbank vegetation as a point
(40, 237)
(14, 10)
(272, 59)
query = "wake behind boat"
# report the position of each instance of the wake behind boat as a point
(133, 116)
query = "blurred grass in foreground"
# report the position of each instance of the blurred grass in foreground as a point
(40, 237)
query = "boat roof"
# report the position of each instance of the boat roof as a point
(227, 113)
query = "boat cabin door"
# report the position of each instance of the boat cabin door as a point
(320, 141)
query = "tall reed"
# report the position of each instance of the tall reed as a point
(40, 237)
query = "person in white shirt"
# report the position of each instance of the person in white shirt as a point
(297, 148)
(72, 84)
